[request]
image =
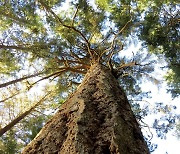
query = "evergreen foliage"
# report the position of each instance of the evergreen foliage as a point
(58, 45)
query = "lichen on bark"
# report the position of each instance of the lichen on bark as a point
(96, 119)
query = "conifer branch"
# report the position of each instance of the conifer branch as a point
(67, 26)
(77, 69)
(15, 18)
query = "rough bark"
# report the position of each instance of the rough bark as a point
(96, 119)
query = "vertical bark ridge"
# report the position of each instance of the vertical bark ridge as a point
(96, 119)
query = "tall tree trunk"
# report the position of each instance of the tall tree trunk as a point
(96, 119)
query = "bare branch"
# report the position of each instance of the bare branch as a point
(110, 56)
(67, 26)
(74, 16)
(125, 74)
(51, 75)
(75, 56)
(76, 69)
(20, 47)
(146, 125)
(20, 79)
(127, 65)
(9, 97)
(121, 30)
(23, 46)
(105, 38)
(113, 41)
(72, 61)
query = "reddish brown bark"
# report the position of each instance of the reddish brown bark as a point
(96, 119)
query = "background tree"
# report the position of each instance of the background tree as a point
(9, 143)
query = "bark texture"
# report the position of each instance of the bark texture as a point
(96, 119)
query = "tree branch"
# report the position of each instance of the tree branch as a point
(76, 69)
(67, 26)
(23, 46)
(120, 31)
(113, 41)
(14, 18)
(20, 79)
(72, 61)
(53, 74)
(20, 47)
(74, 16)
(9, 97)
(127, 65)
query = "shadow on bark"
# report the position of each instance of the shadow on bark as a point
(96, 119)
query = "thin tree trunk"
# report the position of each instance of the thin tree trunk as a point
(96, 119)
(20, 117)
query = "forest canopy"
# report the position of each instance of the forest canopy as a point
(46, 48)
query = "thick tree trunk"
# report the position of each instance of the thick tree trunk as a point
(96, 119)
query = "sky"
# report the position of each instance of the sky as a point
(159, 94)
(171, 143)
